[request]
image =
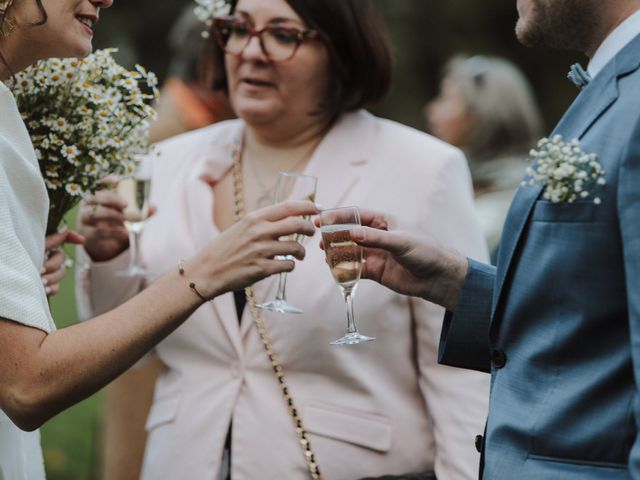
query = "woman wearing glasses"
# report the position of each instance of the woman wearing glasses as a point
(298, 74)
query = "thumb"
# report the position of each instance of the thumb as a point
(382, 239)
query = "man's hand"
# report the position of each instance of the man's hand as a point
(409, 265)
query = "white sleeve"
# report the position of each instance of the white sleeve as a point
(22, 216)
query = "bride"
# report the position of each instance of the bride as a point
(44, 371)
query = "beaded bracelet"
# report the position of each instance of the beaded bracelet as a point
(192, 285)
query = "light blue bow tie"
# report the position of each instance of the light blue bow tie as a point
(579, 76)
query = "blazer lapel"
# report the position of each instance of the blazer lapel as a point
(585, 111)
(338, 160)
(215, 162)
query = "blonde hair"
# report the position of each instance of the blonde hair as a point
(501, 101)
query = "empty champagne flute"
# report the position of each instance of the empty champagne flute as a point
(135, 190)
(344, 258)
(290, 186)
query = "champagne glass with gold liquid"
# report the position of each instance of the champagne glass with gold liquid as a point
(290, 186)
(344, 258)
(135, 190)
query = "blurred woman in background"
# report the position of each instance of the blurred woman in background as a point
(298, 74)
(486, 107)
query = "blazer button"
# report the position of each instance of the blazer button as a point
(479, 442)
(499, 358)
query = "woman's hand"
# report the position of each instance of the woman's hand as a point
(101, 222)
(54, 266)
(245, 253)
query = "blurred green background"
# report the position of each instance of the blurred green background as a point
(424, 35)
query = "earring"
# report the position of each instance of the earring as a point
(7, 24)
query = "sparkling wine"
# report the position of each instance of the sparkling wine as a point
(136, 193)
(344, 256)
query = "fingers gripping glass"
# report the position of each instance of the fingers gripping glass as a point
(290, 186)
(344, 258)
(278, 43)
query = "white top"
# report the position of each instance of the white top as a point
(23, 218)
(616, 41)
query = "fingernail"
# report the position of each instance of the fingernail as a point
(63, 229)
(44, 281)
(318, 206)
(42, 270)
(47, 290)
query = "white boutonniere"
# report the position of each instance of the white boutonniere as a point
(565, 170)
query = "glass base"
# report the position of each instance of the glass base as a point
(352, 339)
(279, 306)
(133, 271)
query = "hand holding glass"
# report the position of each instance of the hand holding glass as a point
(135, 190)
(344, 258)
(290, 186)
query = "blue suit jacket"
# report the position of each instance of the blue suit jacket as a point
(558, 322)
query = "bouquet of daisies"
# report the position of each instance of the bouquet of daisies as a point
(87, 119)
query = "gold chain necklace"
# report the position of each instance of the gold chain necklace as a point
(303, 438)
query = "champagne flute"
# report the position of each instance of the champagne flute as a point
(290, 186)
(135, 190)
(344, 258)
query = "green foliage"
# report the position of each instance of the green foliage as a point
(70, 441)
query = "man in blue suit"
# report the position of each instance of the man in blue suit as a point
(557, 323)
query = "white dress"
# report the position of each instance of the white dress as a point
(23, 218)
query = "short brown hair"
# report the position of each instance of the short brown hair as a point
(359, 54)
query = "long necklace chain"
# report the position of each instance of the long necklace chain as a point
(303, 438)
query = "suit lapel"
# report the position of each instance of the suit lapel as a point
(337, 162)
(585, 111)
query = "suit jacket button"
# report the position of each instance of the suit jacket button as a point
(479, 441)
(499, 358)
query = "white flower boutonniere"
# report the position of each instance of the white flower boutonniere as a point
(565, 170)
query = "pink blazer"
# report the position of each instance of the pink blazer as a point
(378, 408)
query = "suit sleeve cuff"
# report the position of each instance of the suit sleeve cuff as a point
(465, 340)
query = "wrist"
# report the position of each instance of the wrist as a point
(203, 284)
(449, 280)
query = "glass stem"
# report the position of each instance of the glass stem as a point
(282, 285)
(134, 245)
(351, 319)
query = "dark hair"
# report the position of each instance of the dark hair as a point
(359, 54)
